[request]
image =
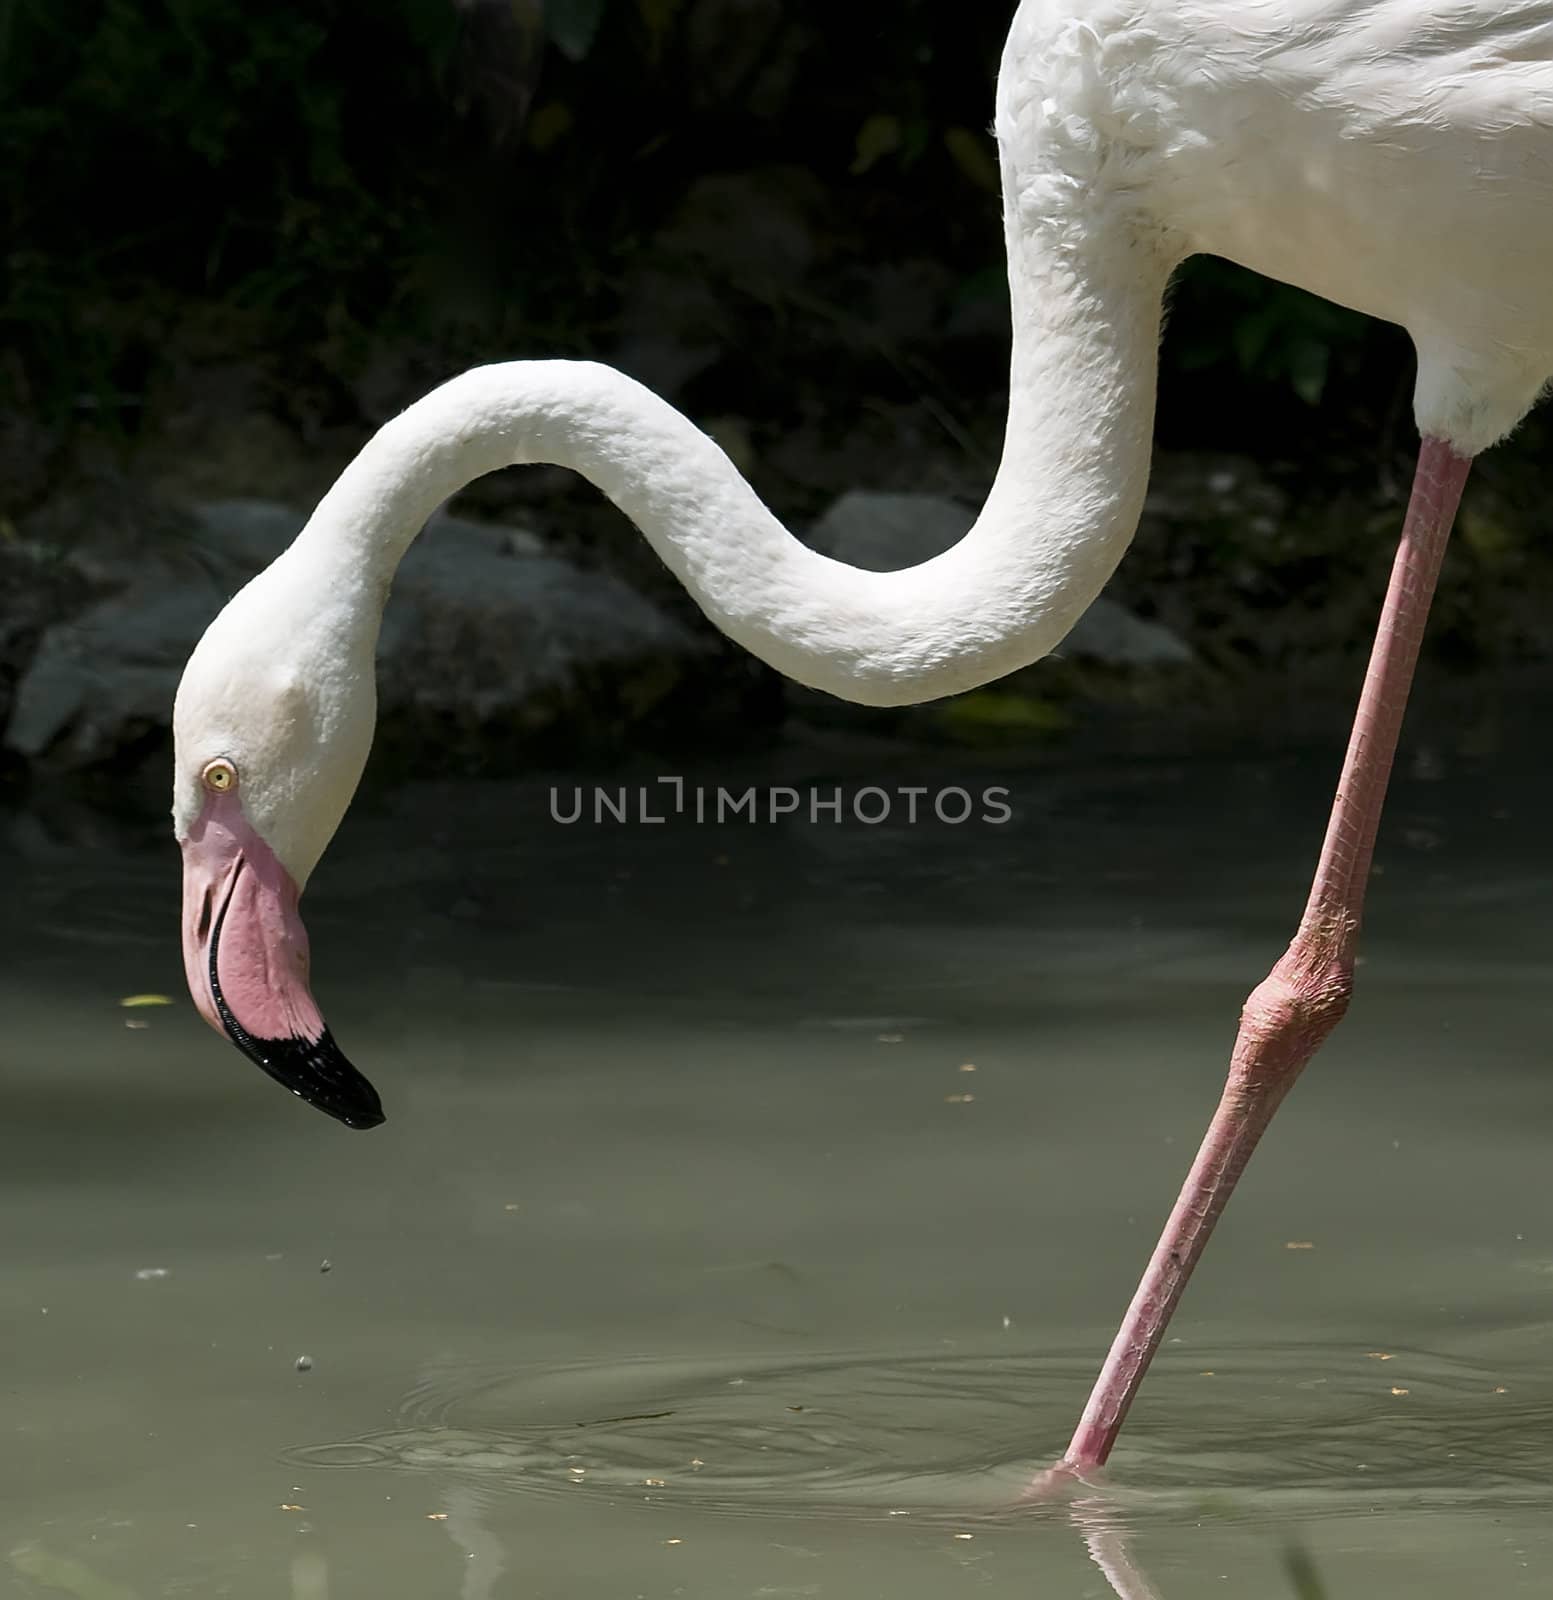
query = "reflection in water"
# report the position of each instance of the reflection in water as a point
(480, 1549)
(309, 1574)
(1108, 1549)
(484, 1556)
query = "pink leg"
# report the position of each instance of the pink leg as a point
(1299, 1003)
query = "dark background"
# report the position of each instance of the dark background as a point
(238, 238)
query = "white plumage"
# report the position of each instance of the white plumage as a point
(1393, 156)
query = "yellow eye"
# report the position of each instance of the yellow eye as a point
(219, 775)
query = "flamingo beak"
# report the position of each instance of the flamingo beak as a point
(246, 958)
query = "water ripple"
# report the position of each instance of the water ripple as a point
(1221, 1433)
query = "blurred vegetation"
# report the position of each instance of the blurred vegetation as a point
(451, 170)
(300, 185)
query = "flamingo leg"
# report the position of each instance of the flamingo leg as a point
(1291, 1012)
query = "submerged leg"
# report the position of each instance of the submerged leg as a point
(1299, 1003)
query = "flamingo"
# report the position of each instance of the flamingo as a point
(1393, 157)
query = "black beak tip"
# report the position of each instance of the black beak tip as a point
(317, 1071)
(369, 1115)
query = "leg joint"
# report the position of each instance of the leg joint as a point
(1290, 1013)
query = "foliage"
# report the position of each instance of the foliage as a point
(1271, 332)
(307, 183)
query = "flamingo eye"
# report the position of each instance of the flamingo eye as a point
(219, 776)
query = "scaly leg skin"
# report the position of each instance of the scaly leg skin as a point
(1299, 1003)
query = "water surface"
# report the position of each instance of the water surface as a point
(756, 1204)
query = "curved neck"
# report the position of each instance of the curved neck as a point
(1086, 295)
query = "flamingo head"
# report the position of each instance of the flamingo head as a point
(271, 728)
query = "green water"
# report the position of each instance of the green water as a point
(692, 1261)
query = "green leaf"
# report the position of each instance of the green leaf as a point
(573, 25)
(1309, 361)
(973, 155)
(1002, 711)
(1253, 332)
(879, 136)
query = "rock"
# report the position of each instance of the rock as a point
(243, 536)
(100, 682)
(483, 627)
(1109, 632)
(881, 532)
(39, 588)
(103, 679)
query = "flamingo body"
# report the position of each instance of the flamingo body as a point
(1394, 157)
(1390, 156)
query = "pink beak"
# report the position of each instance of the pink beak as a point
(245, 955)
